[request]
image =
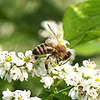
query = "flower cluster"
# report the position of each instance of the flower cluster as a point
(85, 79)
(18, 95)
(13, 67)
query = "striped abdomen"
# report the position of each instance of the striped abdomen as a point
(42, 49)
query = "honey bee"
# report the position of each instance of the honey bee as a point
(58, 51)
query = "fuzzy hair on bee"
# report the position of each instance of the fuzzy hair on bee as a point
(57, 50)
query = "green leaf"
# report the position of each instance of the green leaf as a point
(44, 94)
(88, 49)
(47, 95)
(79, 20)
(90, 35)
(63, 96)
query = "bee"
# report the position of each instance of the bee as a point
(58, 51)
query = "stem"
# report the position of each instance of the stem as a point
(55, 86)
(59, 82)
(64, 89)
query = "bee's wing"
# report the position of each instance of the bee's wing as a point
(51, 43)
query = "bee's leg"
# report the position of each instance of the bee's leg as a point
(57, 58)
(47, 62)
(36, 57)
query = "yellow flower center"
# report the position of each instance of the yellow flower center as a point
(61, 41)
(50, 79)
(54, 64)
(88, 67)
(8, 59)
(26, 59)
(98, 80)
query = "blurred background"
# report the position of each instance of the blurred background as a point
(19, 27)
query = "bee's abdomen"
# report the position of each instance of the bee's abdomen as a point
(41, 49)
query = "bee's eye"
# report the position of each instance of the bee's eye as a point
(66, 57)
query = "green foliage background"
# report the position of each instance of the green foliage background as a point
(20, 21)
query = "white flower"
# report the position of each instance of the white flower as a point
(96, 75)
(12, 54)
(2, 57)
(48, 81)
(87, 84)
(89, 64)
(43, 72)
(63, 42)
(54, 71)
(67, 67)
(7, 76)
(73, 93)
(7, 65)
(92, 94)
(19, 62)
(23, 95)
(29, 66)
(8, 59)
(61, 75)
(7, 95)
(59, 68)
(76, 67)
(4, 53)
(23, 76)
(18, 95)
(36, 71)
(2, 72)
(73, 78)
(13, 57)
(42, 66)
(28, 53)
(20, 54)
(87, 72)
(15, 73)
(39, 69)
(26, 59)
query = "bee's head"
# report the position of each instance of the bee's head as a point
(67, 56)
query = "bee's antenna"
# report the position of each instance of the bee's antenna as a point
(53, 32)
